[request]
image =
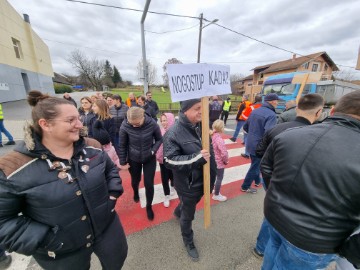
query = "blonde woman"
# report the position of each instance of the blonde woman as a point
(101, 110)
(140, 138)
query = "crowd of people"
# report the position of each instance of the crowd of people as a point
(59, 187)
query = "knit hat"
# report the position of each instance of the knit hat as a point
(100, 133)
(271, 97)
(187, 104)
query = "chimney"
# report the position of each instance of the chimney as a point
(294, 56)
(26, 18)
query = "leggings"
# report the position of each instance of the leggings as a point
(149, 174)
(166, 175)
(219, 178)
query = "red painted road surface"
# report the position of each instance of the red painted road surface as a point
(133, 217)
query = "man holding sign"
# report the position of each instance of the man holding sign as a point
(185, 156)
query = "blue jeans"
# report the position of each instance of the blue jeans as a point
(263, 237)
(281, 255)
(239, 125)
(245, 141)
(3, 130)
(253, 173)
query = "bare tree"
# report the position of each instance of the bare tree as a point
(235, 82)
(165, 76)
(93, 70)
(152, 72)
(345, 75)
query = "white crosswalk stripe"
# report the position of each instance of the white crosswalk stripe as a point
(231, 175)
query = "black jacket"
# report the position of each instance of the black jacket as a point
(314, 196)
(54, 208)
(139, 143)
(182, 146)
(272, 133)
(87, 120)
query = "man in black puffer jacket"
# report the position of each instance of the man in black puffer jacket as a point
(313, 201)
(183, 154)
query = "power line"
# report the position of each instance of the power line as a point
(271, 45)
(193, 17)
(132, 9)
(170, 31)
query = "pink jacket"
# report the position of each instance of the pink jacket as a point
(221, 153)
(110, 150)
(160, 152)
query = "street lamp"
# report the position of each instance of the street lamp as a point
(200, 33)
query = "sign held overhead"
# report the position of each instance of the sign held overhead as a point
(188, 81)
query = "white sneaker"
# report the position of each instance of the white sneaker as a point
(219, 198)
(167, 201)
(172, 191)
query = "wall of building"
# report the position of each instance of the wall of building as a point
(12, 84)
(35, 58)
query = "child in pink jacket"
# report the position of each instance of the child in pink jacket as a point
(167, 120)
(102, 136)
(221, 157)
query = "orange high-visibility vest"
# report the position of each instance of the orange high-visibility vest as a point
(246, 112)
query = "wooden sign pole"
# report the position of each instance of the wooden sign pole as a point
(303, 83)
(206, 169)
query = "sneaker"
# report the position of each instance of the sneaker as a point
(149, 213)
(172, 191)
(10, 143)
(245, 155)
(5, 261)
(258, 185)
(249, 190)
(219, 198)
(167, 201)
(232, 139)
(257, 253)
(136, 197)
(192, 251)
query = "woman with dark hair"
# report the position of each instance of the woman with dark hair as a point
(140, 138)
(58, 192)
(87, 116)
(101, 110)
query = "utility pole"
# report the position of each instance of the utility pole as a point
(358, 61)
(145, 67)
(200, 34)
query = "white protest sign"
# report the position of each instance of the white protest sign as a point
(188, 81)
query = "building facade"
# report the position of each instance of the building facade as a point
(25, 62)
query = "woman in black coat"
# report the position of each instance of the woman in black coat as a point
(58, 193)
(140, 138)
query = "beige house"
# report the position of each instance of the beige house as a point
(25, 62)
(316, 62)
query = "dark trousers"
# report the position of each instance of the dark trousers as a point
(166, 175)
(186, 210)
(224, 114)
(110, 247)
(116, 144)
(2, 251)
(149, 173)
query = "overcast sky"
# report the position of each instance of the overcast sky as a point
(304, 27)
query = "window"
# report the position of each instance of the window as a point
(326, 67)
(17, 48)
(315, 67)
(306, 65)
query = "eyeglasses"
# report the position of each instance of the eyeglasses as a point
(72, 121)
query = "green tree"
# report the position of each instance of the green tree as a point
(116, 78)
